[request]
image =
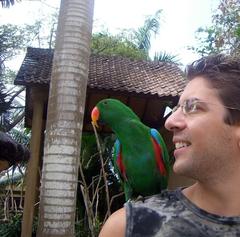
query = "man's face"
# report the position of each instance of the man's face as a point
(205, 146)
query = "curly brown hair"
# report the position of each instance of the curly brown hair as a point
(223, 73)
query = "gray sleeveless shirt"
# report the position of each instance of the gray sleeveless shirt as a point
(171, 214)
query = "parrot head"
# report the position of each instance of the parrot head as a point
(95, 116)
(109, 111)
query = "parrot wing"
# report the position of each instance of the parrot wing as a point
(160, 150)
(117, 158)
(120, 168)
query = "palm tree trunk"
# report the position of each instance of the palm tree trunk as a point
(65, 119)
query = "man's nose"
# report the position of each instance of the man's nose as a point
(176, 121)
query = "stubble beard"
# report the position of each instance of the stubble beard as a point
(210, 166)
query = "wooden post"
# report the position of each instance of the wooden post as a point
(32, 173)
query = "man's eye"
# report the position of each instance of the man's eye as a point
(190, 106)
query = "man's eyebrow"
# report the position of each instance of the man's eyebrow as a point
(189, 99)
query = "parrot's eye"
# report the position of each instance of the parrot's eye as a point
(105, 102)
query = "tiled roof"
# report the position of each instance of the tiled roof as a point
(109, 73)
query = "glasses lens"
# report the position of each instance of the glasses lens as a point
(189, 106)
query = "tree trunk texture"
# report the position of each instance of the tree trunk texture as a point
(65, 119)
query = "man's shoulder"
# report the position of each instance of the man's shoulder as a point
(153, 212)
(115, 225)
(170, 213)
(165, 199)
(165, 195)
(164, 205)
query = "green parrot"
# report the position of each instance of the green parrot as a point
(140, 153)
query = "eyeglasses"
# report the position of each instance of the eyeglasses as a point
(193, 105)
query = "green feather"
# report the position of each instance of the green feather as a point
(143, 175)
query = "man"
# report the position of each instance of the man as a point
(206, 134)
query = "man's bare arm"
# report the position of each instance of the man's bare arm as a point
(115, 225)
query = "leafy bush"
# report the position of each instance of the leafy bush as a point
(12, 228)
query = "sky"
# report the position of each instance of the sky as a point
(180, 20)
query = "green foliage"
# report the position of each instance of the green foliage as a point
(12, 40)
(224, 34)
(22, 137)
(132, 43)
(44, 31)
(82, 231)
(8, 3)
(142, 36)
(165, 57)
(11, 110)
(12, 227)
(90, 157)
(106, 44)
(90, 161)
(8, 76)
(206, 40)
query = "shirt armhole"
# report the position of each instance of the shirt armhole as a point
(129, 221)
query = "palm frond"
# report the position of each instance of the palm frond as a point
(8, 3)
(165, 57)
(11, 109)
(144, 33)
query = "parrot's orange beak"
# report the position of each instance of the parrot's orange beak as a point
(95, 116)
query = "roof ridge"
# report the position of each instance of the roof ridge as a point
(108, 72)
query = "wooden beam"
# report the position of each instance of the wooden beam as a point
(32, 174)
